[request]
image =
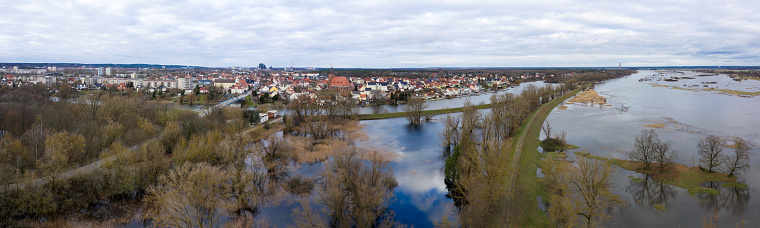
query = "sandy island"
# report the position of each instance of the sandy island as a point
(587, 96)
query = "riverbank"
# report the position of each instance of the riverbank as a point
(689, 178)
(529, 186)
(378, 116)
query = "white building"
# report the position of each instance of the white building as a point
(184, 83)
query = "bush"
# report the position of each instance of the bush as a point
(299, 185)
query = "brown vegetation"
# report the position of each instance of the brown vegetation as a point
(589, 96)
(414, 107)
(581, 195)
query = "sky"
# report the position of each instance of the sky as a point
(383, 34)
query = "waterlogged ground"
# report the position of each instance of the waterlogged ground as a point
(420, 198)
(687, 116)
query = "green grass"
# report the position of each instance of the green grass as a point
(563, 147)
(735, 185)
(553, 155)
(528, 185)
(636, 179)
(377, 116)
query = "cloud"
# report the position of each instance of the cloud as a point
(376, 33)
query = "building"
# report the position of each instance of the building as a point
(100, 71)
(340, 84)
(108, 71)
(224, 83)
(185, 83)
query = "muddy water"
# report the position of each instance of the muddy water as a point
(688, 116)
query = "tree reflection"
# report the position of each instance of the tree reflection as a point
(735, 199)
(732, 199)
(648, 192)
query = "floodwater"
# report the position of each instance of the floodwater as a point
(420, 198)
(474, 98)
(689, 116)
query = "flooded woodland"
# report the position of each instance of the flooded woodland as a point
(405, 163)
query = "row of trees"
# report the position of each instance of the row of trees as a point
(478, 167)
(649, 149)
(320, 116)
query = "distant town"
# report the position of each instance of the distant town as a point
(274, 83)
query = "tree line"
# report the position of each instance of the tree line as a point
(477, 169)
(713, 154)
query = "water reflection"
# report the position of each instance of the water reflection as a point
(732, 199)
(647, 192)
(687, 117)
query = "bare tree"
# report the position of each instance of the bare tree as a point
(35, 137)
(644, 147)
(711, 152)
(739, 161)
(450, 133)
(413, 109)
(585, 193)
(191, 195)
(664, 153)
(353, 194)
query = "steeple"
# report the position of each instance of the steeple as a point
(330, 76)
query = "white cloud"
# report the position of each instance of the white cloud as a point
(376, 33)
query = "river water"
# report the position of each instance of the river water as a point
(689, 116)
(420, 198)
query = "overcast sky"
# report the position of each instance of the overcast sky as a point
(374, 33)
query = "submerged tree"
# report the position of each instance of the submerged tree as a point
(191, 195)
(353, 194)
(582, 194)
(413, 109)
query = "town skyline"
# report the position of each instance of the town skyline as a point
(369, 34)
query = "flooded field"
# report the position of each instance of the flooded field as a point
(678, 115)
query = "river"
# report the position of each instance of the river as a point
(689, 116)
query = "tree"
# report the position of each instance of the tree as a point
(251, 116)
(354, 194)
(644, 147)
(663, 153)
(60, 149)
(35, 138)
(191, 195)
(739, 161)
(413, 109)
(585, 192)
(711, 152)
